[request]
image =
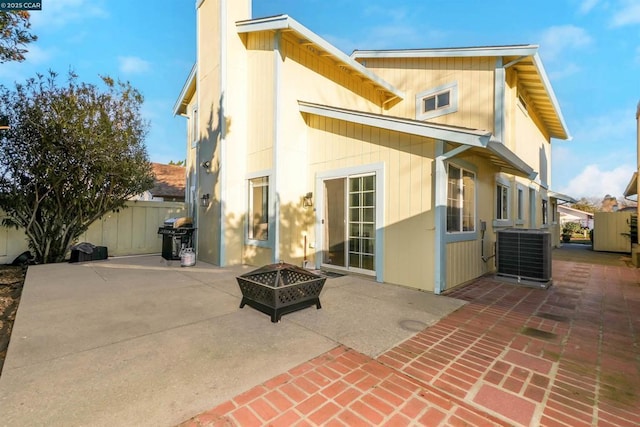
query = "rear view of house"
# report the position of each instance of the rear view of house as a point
(397, 164)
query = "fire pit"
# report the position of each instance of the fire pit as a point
(277, 289)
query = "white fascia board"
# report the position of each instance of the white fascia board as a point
(560, 196)
(552, 96)
(516, 50)
(471, 137)
(500, 150)
(632, 187)
(179, 107)
(285, 22)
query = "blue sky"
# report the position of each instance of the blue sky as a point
(590, 49)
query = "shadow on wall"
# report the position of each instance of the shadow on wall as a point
(208, 165)
(295, 221)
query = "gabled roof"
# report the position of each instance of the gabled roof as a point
(170, 181)
(523, 58)
(479, 140)
(319, 46)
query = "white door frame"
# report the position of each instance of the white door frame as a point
(378, 170)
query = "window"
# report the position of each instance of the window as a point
(259, 208)
(461, 196)
(194, 127)
(436, 102)
(502, 202)
(520, 204)
(554, 212)
(545, 213)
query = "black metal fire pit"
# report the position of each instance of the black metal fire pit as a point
(277, 289)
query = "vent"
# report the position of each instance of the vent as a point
(525, 256)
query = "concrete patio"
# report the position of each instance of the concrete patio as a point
(134, 341)
(141, 341)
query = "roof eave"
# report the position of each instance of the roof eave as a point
(552, 97)
(188, 89)
(560, 196)
(632, 187)
(519, 165)
(479, 51)
(471, 137)
(285, 22)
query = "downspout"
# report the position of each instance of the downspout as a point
(223, 131)
(275, 193)
(498, 101)
(440, 269)
(196, 208)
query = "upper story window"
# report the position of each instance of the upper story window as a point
(436, 102)
(461, 197)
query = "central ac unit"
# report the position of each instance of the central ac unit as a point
(524, 255)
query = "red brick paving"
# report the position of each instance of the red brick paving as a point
(569, 355)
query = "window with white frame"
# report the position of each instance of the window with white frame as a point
(520, 204)
(436, 102)
(258, 208)
(461, 197)
(545, 212)
(502, 202)
(194, 127)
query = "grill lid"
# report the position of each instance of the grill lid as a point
(178, 222)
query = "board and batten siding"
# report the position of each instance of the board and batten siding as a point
(474, 76)
(260, 101)
(464, 262)
(408, 165)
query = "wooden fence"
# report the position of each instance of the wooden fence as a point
(130, 231)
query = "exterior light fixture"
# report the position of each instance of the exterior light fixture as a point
(204, 200)
(206, 164)
(307, 200)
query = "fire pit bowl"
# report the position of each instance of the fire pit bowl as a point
(277, 289)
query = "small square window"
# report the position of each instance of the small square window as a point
(437, 102)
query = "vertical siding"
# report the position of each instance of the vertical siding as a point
(408, 229)
(475, 78)
(464, 262)
(260, 101)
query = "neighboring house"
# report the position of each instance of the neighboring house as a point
(399, 164)
(567, 214)
(169, 184)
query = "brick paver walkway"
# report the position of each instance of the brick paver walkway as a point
(566, 356)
